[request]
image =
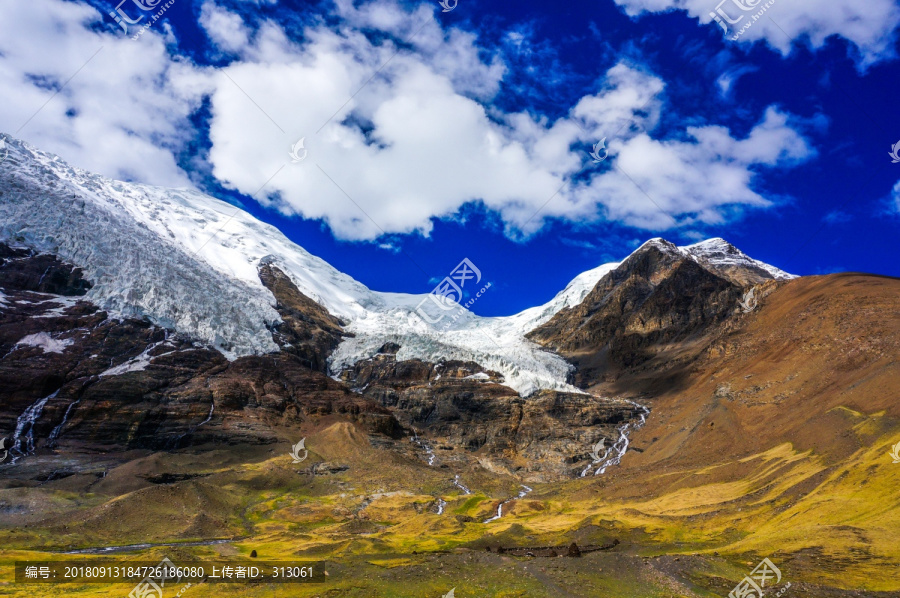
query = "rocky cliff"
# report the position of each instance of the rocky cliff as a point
(465, 416)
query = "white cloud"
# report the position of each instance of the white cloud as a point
(869, 26)
(727, 81)
(895, 197)
(121, 114)
(420, 145)
(422, 139)
(655, 184)
(224, 28)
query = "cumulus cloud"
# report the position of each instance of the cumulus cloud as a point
(224, 28)
(397, 116)
(869, 26)
(657, 185)
(419, 141)
(110, 104)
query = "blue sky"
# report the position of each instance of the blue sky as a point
(469, 131)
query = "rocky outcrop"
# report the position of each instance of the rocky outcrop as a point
(462, 415)
(385, 371)
(307, 330)
(26, 270)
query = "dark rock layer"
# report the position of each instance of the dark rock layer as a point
(465, 415)
(307, 331)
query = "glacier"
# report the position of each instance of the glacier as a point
(189, 262)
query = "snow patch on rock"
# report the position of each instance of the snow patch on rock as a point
(45, 342)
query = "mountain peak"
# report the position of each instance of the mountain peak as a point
(720, 256)
(659, 243)
(719, 253)
(713, 244)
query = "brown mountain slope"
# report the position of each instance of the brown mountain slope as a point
(776, 440)
(819, 354)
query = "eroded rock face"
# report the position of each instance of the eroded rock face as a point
(307, 330)
(384, 368)
(25, 270)
(464, 416)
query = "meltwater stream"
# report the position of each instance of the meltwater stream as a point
(54, 434)
(459, 485)
(134, 547)
(25, 428)
(424, 446)
(193, 429)
(614, 454)
(522, 494)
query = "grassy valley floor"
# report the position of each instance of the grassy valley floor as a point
(374, 526)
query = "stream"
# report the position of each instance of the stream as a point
(131, 547)
(614, 454)
(522, 494)
(25, 425)
(54, 435)
(459, 485)
(424, 446)
(212, 409)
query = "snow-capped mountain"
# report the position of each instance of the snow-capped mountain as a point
(189, 262)
(721, 254)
